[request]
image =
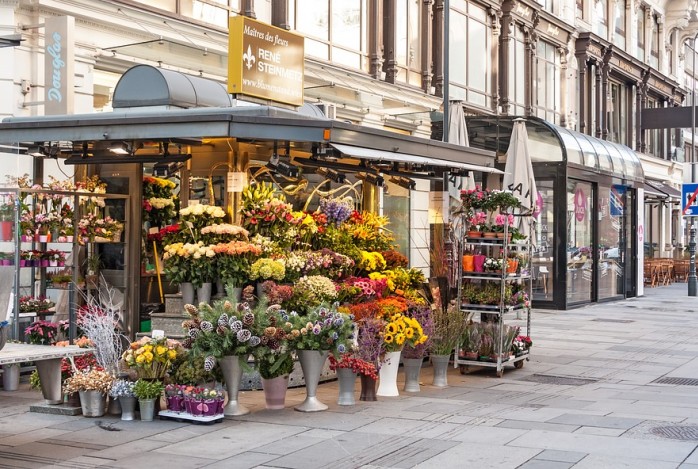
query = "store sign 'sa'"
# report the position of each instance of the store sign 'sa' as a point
(58, 65)
(265, 61)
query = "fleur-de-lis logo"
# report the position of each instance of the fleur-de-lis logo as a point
(248, 57)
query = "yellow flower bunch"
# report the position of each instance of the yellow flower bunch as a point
(151, 358)
(401, 330)
(371, 261)
(383, 275)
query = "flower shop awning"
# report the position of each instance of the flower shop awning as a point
(394, 156)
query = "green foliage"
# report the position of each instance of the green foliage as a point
(189, 369)
(274, 365)
(449, 324)
(34, 380)
(148, 389)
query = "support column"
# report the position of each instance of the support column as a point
(426, 45)
(389, 20)
(375, 38)
(597, 98)
(605, 72)
(638, 114)
(563, 85)
(495, 16)
(583, 90)
(643, 104)
(438, 47)
(247, 9)
(530, 69)
(507, 38)
(279, 14)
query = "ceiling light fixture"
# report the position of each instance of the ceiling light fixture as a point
(332, 175)
(371, 178)
(403, 182)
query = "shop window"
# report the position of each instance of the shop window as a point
(580, 9)
(517, 59)
(208, 12)
(542, 262)
(167, 5)
(548, 5)
(262, 10)
(641, 34)
(617, 112)
(579, 241)
(671, 60)
(654, 140)
(547, 92)
(619, 20)
(408, 46)
(396, 206)
(470, 36)
(601, 18)
(334, 30)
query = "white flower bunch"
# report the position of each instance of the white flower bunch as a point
(160, 203)
(225, 229)
(201, 209)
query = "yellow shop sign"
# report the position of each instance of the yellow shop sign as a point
(265, 61)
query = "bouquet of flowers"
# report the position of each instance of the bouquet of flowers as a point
(275, 330)
(327, 262)
(196, 217)
(369, 288)
(122, 388)
(521, 344)
(369, 231)
(220, 330)
(492, 264)
(336, 210)
(371, 261)
(223, 233)
(423, 315)
(394, 259)
(267, 269)
(322, 329)
(234, 260)
(30, 304)
(189, 263)
(401, 330)
(92, 226)
(370, 343)
(263, 212)
(88, 380)
(151, 358)
(311, 291)
(356, 364)
(500, 220)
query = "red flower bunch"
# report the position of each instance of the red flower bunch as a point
(160, 235)
(394, 259)
(357, 365)
(321, 221)
(146, 205)
(368, 309)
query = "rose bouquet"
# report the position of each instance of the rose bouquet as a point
(223, 233)
(196, 217)
(234, 261)
(189, 263)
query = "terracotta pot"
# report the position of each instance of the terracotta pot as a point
(468, 263)
(489, 235)
(474, 234)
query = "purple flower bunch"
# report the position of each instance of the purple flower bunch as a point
(327, 262)
(337, 210)
(323, 329)
(370, 344)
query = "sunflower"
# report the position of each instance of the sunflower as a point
(388, 338)
(409, 332)
(400, 339)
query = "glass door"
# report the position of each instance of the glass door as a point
(580, 207)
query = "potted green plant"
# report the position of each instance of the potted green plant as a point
(92, 266)
(147, 391)
(449, 324)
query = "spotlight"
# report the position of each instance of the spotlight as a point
(44, 151)
(403, 182)
(371, 178)
(282, 167)
(166, 169)
(332, 175)
(121, 148)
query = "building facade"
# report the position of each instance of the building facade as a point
(588, 66)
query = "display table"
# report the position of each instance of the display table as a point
(48, 362)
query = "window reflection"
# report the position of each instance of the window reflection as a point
(470, 36)
(579, 241)
(542, 262)
(408, 49)
(612, 203)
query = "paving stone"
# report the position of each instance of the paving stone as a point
(169, 460)
(543, 464)
(595, 461)
(528, 425)
(614, 447)
(30, 436)
(247, 460)
(486, 455)
(600, 431)
(595, 421)
(562, 456)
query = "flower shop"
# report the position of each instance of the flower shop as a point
(271, 237)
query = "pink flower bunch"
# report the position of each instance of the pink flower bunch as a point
(501, 219)
(369, 287)
(478, 219)
(237, 248)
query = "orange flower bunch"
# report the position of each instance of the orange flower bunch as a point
(391, 305)
(237, 248)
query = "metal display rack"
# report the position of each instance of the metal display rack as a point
(500, 313)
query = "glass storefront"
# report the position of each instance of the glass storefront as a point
(610, 268)
(580, 208)
(543, 256)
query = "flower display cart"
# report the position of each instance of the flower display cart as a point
(495, 282)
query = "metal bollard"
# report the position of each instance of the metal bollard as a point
(692, 281)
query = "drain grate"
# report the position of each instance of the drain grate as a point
(563, 380)
(623, 321)
(679, 381)
(676, 432)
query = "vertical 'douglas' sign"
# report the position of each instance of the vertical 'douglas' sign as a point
(265, 61)
(59, 65)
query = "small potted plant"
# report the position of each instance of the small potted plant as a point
(123, 391)
(147, 392)
(470, 342)
(348, 367)
(174, 396)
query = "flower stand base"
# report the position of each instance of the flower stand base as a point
(387, 384)
(185, 417)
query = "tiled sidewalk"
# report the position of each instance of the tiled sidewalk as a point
(587, 399)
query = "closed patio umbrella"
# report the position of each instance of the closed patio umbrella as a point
(518, 173)
(458, 134)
